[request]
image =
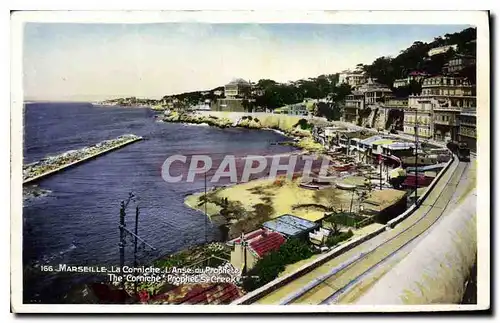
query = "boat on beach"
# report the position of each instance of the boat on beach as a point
(326, 179)
(343, 167)
(309, 186)
(344, 186)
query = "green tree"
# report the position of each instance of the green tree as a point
(247, 105)
(272, 264)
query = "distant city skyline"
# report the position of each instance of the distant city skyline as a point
(87, 62)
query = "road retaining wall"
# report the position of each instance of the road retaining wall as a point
(436, 270)
(279, 282)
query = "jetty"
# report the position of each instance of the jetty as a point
(50, 165)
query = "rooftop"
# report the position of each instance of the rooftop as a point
(383, 141)
(379, 200)
(356, 93)
(357, 72)
(261, 241)
(238, 81)
(399, 145)
(372, 86)
(290, 225)
(200, 294)
(266, 243)
(371, 139)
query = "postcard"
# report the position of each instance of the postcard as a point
(250, 161)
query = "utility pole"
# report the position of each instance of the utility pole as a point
(135, 243)
(352, 198)
(121, 244)
(206, 216)
(123, 234)
(244, 245)
(135, 231)
(380, 165)
(416, 155)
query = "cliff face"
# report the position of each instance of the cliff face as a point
(372, 117)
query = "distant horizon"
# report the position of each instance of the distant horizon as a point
(76, 62)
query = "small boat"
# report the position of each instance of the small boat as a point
(343, 168)
(309, 186)
(344, 186)
(325, 179)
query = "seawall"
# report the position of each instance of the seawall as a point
(32, 180)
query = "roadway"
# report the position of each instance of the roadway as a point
(345, 278)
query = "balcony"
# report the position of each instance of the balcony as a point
(470, 124)
(444, 96)
(446, 123)
(418, 124)
(447, 108)
(419, 109)
(471, 134)
(425, 86)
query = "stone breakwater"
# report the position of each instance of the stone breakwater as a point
(52, 164)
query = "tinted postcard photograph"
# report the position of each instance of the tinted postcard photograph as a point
(316, 162)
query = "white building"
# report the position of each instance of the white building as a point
(419, 113)
(400, 83)
(237, 88)
(412, 76)
(353, 78)
(299, 109)
(439, 107)
(374, 91)
(442, 49)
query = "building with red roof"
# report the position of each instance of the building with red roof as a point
(199, 294)
(252, 246)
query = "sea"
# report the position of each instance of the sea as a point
(77, 222)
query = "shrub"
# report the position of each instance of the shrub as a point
(171, 261)
(303, 124)
(272, 264)
(333, 240)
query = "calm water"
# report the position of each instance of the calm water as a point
(77, 223)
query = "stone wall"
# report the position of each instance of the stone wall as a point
(444, 258)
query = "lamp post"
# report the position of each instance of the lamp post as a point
(380, 166)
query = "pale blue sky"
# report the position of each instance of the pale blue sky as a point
(95, 61)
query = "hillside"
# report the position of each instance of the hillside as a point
(415, 58)
(269, 94)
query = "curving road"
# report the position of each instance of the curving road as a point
(346, 277)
